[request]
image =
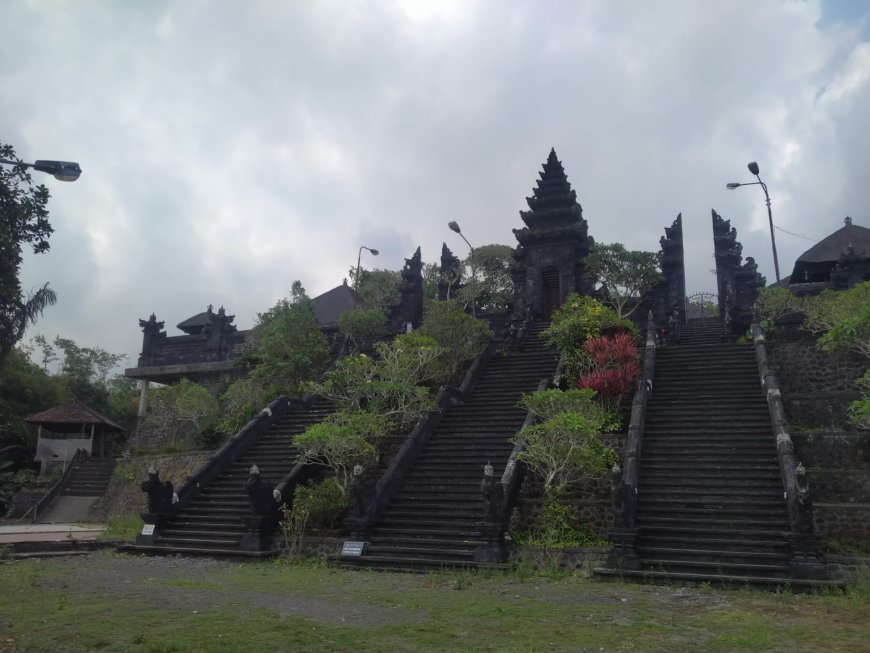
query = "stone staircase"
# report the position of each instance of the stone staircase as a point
(434, 520)
(89, 478)
(213, 522)
(710, 497)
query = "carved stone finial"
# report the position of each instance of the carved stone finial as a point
(254, 471)
(358, 470)
(488, 471)
(848, 220)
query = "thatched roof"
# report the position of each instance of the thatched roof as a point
(838, 243)
(75, 413)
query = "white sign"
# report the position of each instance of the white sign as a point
(352, 548)
(148, 529)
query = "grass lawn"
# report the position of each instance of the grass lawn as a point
(109, 602)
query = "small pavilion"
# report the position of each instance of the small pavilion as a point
(64, 429)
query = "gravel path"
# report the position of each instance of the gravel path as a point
(160, 582)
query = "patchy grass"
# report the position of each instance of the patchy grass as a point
(123, 528)
(107, 602)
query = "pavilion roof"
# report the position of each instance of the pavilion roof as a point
(74, 413)
(832, 247)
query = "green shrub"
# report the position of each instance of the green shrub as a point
(361, 328)
(340, 442)
(325, 504)
(461, 335)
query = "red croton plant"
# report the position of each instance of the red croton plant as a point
(613, 367)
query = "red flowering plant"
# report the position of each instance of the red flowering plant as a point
(612, 367)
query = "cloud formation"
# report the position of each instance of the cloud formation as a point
(230, 148)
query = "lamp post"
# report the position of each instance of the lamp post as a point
(62, 170)
(753, 168)
(374, 252)
(454, 226)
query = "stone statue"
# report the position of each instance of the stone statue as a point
(261, 495)
(160, 494)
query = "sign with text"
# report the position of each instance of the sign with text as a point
(148, 529)
(352, 548)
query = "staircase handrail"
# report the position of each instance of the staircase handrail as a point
(47, 500)
(287, 484)
(391, 481)
(626, 486)
(795, 486)
(230, 451)
(512, 476)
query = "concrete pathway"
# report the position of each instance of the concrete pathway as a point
(68, 510)
(10, 534)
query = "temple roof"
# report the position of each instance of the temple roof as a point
(838, 243)
(74, 413)
(194, 325)
(331, 304)
(555, 212)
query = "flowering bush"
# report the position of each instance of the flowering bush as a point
(612, 367)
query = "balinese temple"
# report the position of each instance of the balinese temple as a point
(550, 257)
(838, 262)
(63, 430)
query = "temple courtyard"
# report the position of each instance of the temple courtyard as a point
(109, 602)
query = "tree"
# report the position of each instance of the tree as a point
(287, 346)
(379, 289)
(342, 441)
(182, 410)
(624, 275)
(361, 328)
(487, 275)
(23, 221)
(564, 446)
(461, 335)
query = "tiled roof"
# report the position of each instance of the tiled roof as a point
(74, 413)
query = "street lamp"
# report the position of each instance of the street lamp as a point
(753, 168)
(62, 170)
(374, 252)
(454, 226)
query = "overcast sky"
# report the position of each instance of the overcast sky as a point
(229, 148)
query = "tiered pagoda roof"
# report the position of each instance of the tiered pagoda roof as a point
(555, 212)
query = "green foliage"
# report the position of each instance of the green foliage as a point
(239, 404)
(387, 385)
(859, 410)
(565, 447)
(487, 276)
(625, 275)
(340, 442)
(362, 328)
(558, 526)
(579, 319)
(23, 221)
(851, 333)
(182, 410)
(287, 346)
(379, 289)
(24, 389)
(461, 335)
(11, 482)
(325, 504)
(774, 303)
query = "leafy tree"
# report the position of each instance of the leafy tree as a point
(564, 446)
(182, 410)
(431, 276)
(241, 401)
(361, 328)
(625, 275)
(461, 335)
(341, 442)
(379, 289)
(23, 221)
(387, 385)
(774, 303)
(487, 276)
(24, 389)
(287, 346)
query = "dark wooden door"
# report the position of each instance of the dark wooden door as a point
(552, 294)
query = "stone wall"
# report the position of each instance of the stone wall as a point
(838, 471)
(816, 386)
